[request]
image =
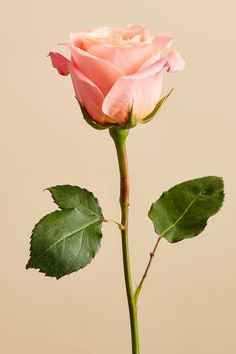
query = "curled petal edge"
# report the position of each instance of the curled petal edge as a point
(59, 62)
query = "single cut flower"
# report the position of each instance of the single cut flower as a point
(117, 73)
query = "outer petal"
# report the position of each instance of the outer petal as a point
(160, 42)
(103, 74)
(60, 63)
(140, 91)
(175, 62)
(88, 94)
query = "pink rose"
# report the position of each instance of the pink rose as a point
(117, 72)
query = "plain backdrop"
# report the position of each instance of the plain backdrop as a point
(188, 303)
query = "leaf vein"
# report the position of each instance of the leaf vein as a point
(184, 213)
(82, 228)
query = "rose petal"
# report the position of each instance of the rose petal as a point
(93, 37)
(127, 58)
(89, 37)
(160, 43)
(140, 91)
(75, 38)
(131, 31)
(88, 94)
(130, 58)
(110, 35)
(59, 62)
(103, 74)
(175, 62)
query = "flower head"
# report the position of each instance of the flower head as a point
(117, 73)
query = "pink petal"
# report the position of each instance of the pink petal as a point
(85, 39)
(75, 38)
(140, 91)
(127, 58)
(175, 62)
(131, 31)
(109, 35)
(103, 74)
(88, 94)
(60, 63)
(160, 42)
(94, 36)
(130, 58)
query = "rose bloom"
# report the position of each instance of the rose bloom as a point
(117, 72)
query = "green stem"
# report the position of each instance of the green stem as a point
(119, 136)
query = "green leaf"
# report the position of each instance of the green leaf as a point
(182, 212)
(67, 240)
(67, 197)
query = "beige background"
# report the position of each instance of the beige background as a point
(188, 304)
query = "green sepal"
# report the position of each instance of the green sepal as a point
(182, 212)
(67, 240)
(156, 110)
(131, 121)
(89, 120)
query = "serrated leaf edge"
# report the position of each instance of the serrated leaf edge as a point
(188, 208)
(30, 263)
(85, 206)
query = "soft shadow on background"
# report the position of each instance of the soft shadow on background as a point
(188, 303)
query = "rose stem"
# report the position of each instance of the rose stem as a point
(119, 136)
